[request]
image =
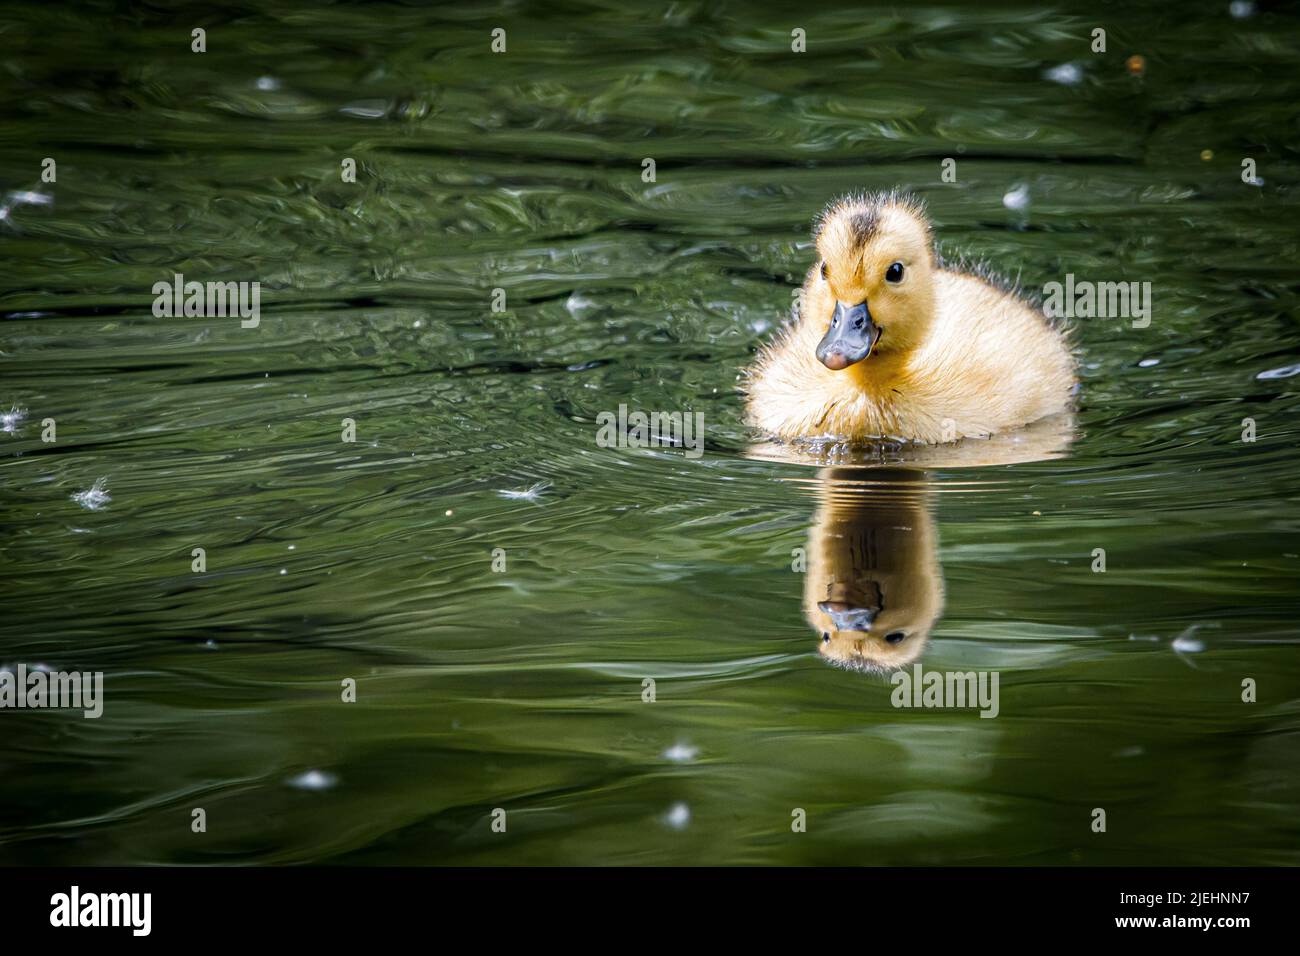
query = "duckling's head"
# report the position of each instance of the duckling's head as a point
(862, 629)
(875, 279)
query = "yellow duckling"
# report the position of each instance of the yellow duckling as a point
(891, 344)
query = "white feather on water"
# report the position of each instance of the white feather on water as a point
(313, 780)
(681, 753)
(678, 816)
(532, 493)
(12, 419)
(94, 497)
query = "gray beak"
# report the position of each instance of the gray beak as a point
(850, 338)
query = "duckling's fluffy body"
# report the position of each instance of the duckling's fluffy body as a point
(948, 354)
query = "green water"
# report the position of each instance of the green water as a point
(523, 689)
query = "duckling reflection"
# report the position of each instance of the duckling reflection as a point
(873, 587)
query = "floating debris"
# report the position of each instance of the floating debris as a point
(11, 420)
(1148, 362)
(532, 493)
(1136, 64)
(578, 305)
(681, 753)
(1241, 9)
(1067, 74)
(678, 816)
(1185, 643)
(1286, 371)
(24, 197)
(94, 497)
(313, 780)
(1017, 198)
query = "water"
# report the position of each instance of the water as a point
(523, 689)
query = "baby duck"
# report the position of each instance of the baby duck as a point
(890, 343)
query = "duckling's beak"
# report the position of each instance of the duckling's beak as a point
(845, 617)
(852, 606)
(850, 338)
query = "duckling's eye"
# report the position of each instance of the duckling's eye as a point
(825, 273)
(894, 273)
(894, 637)
(826, 637)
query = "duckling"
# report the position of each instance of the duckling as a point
(873, 589)
(890, 343)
